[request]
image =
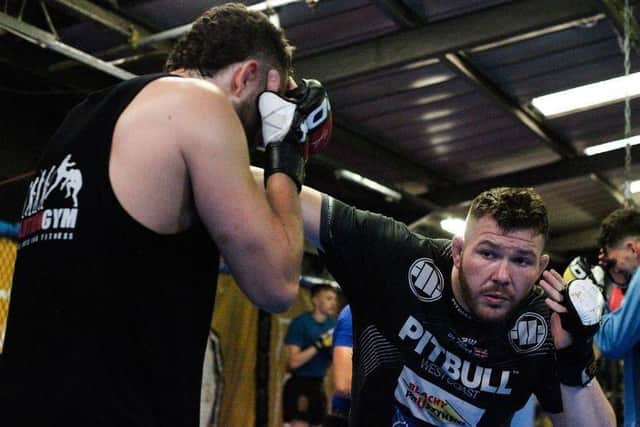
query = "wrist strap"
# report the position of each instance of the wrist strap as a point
(577, 364)
(286, 157)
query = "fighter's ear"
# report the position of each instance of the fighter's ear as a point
(634, 245)
(243, 74)
(544, 262)
(457, 246)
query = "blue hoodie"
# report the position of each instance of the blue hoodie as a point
(619, 338)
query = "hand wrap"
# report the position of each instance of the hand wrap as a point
(584, 302)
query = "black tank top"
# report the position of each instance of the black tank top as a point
(108, 320)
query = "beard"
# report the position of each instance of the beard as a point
(248, 114)
(483, 311)
(247, 110)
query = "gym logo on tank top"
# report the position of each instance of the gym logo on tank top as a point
(39, 221)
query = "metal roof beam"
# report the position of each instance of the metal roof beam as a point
(556, 171)
(113, 21)
(614, 9)
(461, 65)
(405, 16)
(102, 16)
(464, 68)
(452, 35)
(48, 41)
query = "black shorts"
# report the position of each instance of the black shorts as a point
(304, 399)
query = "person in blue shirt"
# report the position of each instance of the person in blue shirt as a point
(309, 342)
(342, 370)
(619, 333)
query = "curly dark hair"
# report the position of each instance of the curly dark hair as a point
(227, 34)
(618, 225)
(512, 208)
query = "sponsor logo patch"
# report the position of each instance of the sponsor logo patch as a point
(433, 405)
(425, 280)
(528, 333)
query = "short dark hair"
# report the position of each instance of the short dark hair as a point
(227, 34)
(618, 225)
(512, 208)
(316, 289)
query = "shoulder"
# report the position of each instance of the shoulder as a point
(301, 318)
(182, 88)
(345, 313)
(338, 215)
(182, 101)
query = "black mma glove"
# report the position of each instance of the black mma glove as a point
(324, 341)
(293, 127)
(584, 302)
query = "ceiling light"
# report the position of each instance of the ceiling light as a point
(612, 145)
(454, 226)
(391, 195)
(589, 96)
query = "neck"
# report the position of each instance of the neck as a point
(318, 316)
(182, 72)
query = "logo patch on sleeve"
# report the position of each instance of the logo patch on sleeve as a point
(425, 280)
(431, 404)
(528, 333)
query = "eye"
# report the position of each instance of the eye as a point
(486, 253)
(522, 261)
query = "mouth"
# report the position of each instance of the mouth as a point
(495, 298)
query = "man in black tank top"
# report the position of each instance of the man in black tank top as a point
(139, 192)
(455, 332)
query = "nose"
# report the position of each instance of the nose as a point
(501, 275)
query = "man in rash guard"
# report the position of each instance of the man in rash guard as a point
(450, 333)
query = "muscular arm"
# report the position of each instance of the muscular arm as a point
(342, 366)
(298, 357)
(311, 201)
(584, 406)
(259, 237)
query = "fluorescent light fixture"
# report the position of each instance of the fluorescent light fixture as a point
(311, 281)
(634, 186)
(390, 194)
(454, 226)
(612, 145)
(589, 96)
(271, 4)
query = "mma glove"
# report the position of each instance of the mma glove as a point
(293, 127)
(584, 302)
(324, 340)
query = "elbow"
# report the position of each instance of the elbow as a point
(278, 297)
(283, 299)
(293, 364)
(343, 391)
